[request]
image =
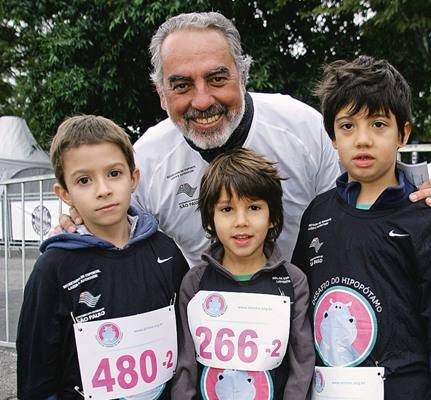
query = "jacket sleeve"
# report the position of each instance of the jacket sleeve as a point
(328, 168)
(39, 334)
(185, 382)
(423, 270)
(299, 256)
(301, 348)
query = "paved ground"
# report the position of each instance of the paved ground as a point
(7, 374)
(15, 283)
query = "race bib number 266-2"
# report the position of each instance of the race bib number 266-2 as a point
(244, 331)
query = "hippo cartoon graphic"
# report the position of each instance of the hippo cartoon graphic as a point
(214, 306)
(108, 334)
(338, 330)
(235, 385)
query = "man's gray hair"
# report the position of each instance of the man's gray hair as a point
(212, 20)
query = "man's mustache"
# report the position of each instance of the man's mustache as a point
(215, 109)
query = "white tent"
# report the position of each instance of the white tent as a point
(20, 155)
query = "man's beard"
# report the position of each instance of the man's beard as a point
(213, 137)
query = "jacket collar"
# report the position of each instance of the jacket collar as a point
(349, 191)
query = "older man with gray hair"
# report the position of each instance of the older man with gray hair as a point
(200, 73)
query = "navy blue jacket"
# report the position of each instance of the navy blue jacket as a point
(119, 282)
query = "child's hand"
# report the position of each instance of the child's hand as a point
(424, 192)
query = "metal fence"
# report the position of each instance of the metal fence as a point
(28, 211)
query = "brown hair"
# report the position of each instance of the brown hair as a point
(87, 129)
(364, 83)
(247, 174)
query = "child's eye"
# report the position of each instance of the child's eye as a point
(379, 124)
(255, 207)
(115, 173)
(226, 209)
(347, 125)
(84, 180)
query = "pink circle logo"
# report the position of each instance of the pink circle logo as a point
(214, 305)
(109, 334)
(226, 384)
(345, 327)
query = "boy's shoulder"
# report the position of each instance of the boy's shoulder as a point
(49, 265)
(323, 199)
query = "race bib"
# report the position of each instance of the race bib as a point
(127, 356)
(334, 383)
(242, 331)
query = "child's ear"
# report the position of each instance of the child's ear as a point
(334, 144)
(62, 193)
(136, 174)
(407, 130)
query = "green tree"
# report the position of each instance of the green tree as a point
(91, 56)
(399, 31)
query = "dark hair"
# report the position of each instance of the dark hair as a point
(246, 174)
(87, 129)
(364, 83)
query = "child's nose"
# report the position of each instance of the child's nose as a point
(363, 137)
(241, 218)
(103, 188)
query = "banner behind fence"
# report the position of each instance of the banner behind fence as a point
(28, 211)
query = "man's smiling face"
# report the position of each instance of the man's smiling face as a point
(202, 90)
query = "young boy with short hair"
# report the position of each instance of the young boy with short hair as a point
(117, 266)
(365, 248)
(244, 309)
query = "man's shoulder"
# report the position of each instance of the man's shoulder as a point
(284, 104)
(164, 131)
(161, 145)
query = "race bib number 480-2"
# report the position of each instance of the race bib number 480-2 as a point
(243, 331)
(126, 356)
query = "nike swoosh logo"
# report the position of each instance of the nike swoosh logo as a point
(161, 261)
(394, 234)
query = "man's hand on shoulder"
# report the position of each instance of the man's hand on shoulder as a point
(67, 222)
(424, 192)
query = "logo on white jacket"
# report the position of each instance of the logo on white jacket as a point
(316, 244)
(186, 189)
(88, 299)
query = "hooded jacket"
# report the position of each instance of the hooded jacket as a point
(292, 378)
(374, 265)
(93, 279)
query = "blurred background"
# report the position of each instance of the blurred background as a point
(59, 58)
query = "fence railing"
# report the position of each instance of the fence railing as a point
(28, 211)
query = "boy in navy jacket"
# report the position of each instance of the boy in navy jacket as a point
(365, 247)
(117, 265)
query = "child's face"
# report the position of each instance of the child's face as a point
(99, 185)
(367, 145)
(241, 225)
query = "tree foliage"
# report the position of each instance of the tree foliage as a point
(62, 57)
